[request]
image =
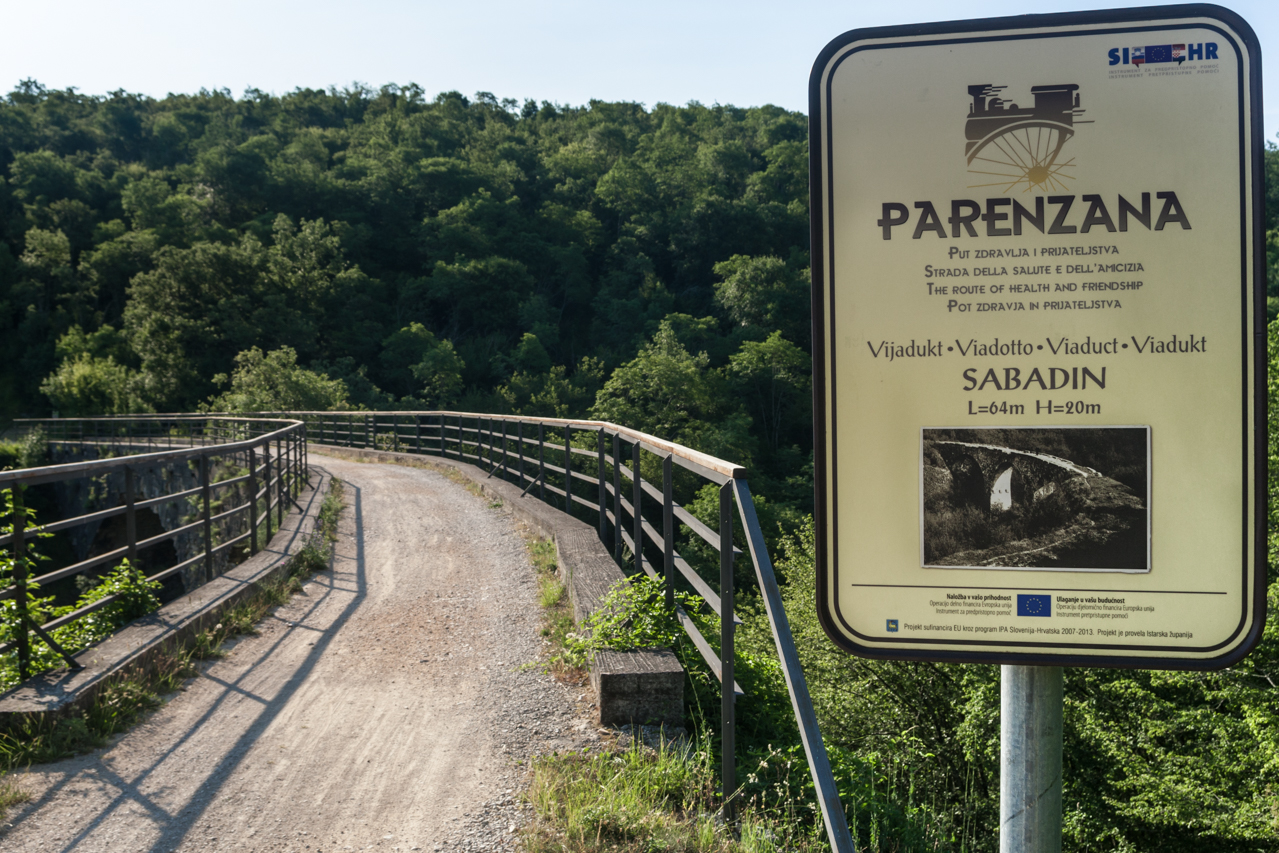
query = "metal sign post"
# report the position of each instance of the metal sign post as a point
(1030, 711)
(1039, 354)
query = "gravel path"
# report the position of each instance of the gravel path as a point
(393, 704)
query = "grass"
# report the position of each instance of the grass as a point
(12, 793)
(38, 739)
(638, 798)
(557, 613)
(643, 799)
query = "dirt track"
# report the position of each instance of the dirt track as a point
(387, 706)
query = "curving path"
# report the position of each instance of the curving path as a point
(392, 704)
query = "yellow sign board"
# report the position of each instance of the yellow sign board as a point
(1039, 339)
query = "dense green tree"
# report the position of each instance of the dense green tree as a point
(774, 380)
(426, 371)
(84, 386)
(765, 294)
(667, 391)
(273, 382)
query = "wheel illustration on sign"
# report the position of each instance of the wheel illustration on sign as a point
(1017, 147)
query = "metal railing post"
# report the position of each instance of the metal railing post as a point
(130, 518)
(541, 461)
(205, 496)
(568, 469)
(20, 582)
(519, 445)
(637, 516)
(668, 532)
(266, 486)
(599, 479)
(253, 501)
(617, 497)
(417, 434)
(727, 693)
(499, 450)
(493, 432)
(279, 486)
(802, 705)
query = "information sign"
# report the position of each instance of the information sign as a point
(1039, 339)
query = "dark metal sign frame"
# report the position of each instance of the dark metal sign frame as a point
(995, 31)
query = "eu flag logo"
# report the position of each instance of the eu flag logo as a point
(1034, 605)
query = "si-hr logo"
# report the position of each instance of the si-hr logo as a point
(1156, 54)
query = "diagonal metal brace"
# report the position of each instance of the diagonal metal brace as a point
(533, 482)
(44, 635)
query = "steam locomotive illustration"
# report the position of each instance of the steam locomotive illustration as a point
(1012, 146)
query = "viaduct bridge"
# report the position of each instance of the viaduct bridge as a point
(999, 478)
(226, 496)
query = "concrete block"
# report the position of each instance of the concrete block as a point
(645, 687)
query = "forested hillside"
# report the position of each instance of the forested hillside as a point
(426, 252)
(385, 249)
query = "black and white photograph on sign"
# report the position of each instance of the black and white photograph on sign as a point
(1039, 498)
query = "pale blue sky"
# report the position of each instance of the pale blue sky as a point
(745, 52)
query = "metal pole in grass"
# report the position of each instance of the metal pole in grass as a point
(787, 655)
(1030, 739)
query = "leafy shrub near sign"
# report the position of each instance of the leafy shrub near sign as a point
(633, 615)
